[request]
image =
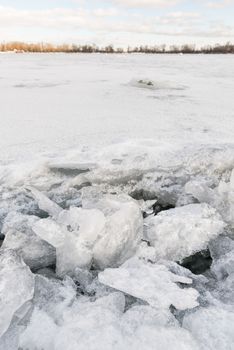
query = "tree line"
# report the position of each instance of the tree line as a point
(20, 47)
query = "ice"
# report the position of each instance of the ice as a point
(102, 324)
(71, 168)
(212, 327)
(87, 224)
(50, 231)
(180, 232)
(72, 254)
(86, 324)
(107, 233)
(10, 339)
(224, 266)
(73, 234)
(123, 233)
(54, 295)
(84, 228)
(16, 286)
(220, 246)
(200, 191)
(157, 284)
(147, 315)
(44, 202)
(19, 236)
(219, 195)
(40, 332)
(123, 228)
(83, 277)
(65, 199)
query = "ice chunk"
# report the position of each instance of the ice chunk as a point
(54, 296)
(87, 224)
(220, 197)
(10, 339)
(20, 237)
(146, 252)
(83, 277)
(35, 252)
(212, 327)
(78, 182)
(123, 229)
(224, 290)
(152, 283)
(220, 246)
(50, 231)
(72, 254)
(224, 266)
(73, 235)
(16, 286)
(71, 168)
(85, 227)
(123, 233)
(232, 180)
(180, 232)
(44, 202)
(200, 191)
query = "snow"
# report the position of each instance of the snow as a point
(212, 327)
(58, 97)
(107, 183)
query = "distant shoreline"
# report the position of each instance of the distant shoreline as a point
(22, 47)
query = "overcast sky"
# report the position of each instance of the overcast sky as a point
(118, 22)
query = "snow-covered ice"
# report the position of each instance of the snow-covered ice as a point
(183, 231)
(212, 327)
(116, 202)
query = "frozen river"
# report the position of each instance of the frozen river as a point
(51, 102)
(116, 202)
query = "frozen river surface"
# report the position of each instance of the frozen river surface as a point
(116, 202)
(51, 102)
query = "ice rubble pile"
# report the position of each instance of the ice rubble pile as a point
(93, 252)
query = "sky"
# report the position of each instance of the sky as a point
(118, 22)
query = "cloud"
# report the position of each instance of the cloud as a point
(219, 4)
(180, 18)
(103, 23)
(147, 3)
(107, 12)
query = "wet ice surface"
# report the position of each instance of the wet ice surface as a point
(97, 240)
